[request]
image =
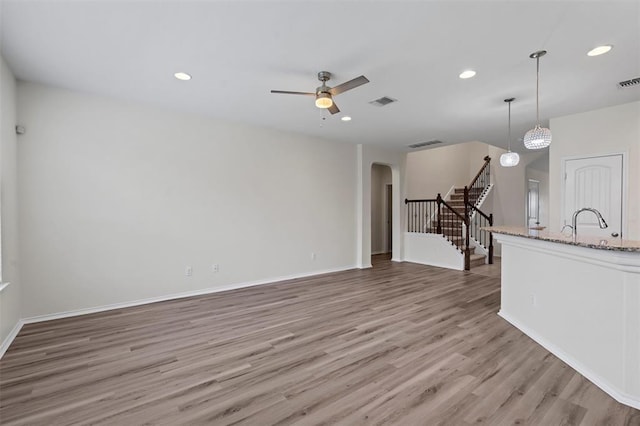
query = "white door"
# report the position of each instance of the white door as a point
(594, 182)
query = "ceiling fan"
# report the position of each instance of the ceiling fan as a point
(324, 94)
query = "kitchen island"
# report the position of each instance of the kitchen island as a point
(579, 297)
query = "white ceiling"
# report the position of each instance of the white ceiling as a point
(412, 51)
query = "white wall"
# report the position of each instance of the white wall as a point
(117, 198)
(436, 170)
(380, 178)
(507, 201)
(10, 297)
(604, 131)
(432, 249)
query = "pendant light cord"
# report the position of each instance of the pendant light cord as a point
(509, 132)
(537, 90)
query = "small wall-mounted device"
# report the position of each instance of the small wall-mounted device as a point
(20, 130)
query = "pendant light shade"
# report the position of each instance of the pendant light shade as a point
(509, 159)
(539, 137)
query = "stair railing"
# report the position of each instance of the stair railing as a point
(435, 214)
(467, 253)
(421, 214)
(476, 224)
(472, 193)
(482, 179)
(455, 223)
(438, 217)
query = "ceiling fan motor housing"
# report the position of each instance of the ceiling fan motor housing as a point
(323, 89)
(324, 76)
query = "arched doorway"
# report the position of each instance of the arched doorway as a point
(381, 211)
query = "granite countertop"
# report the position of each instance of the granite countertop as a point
(614, 244)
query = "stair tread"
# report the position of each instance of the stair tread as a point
(477, 260)
(461, 190)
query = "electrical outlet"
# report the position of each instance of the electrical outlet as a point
(215, 268)
(534, 301)
(188, 271)
(313, 256)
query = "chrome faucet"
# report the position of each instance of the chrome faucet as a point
(574, 220)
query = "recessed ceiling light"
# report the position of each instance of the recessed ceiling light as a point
(600, 50)
(346, 118)
(467, 74)
(182, 76)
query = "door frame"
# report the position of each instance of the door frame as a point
(528, 209)
(388, 196)
(625, 183)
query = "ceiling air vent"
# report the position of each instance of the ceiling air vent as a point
(385, 100)
(421, 144)
(629, 83)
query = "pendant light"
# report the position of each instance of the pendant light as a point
(538, 137)
(509, 159)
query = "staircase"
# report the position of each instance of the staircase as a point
(458, 219)
(453, 230)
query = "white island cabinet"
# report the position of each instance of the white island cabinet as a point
(580, 299)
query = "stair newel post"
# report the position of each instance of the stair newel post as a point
(491, 240)
(439, 202)
(487, 172)
(467, 251)
(406, 202)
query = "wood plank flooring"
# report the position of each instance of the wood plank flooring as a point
(399, 344)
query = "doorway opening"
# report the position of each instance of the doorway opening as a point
(533, 204)
(381, 211)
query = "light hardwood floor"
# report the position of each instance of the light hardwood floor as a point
(399, 344)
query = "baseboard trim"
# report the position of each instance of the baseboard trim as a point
(436, 264)
(129, 304)
(612, 391)
(9, 339)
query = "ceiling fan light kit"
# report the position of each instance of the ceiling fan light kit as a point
(539, 137)
(509, 159)
(323, 100)
(324, 94)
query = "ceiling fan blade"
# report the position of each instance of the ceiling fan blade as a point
(333, 109)
(351, 84)
(286, 92)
